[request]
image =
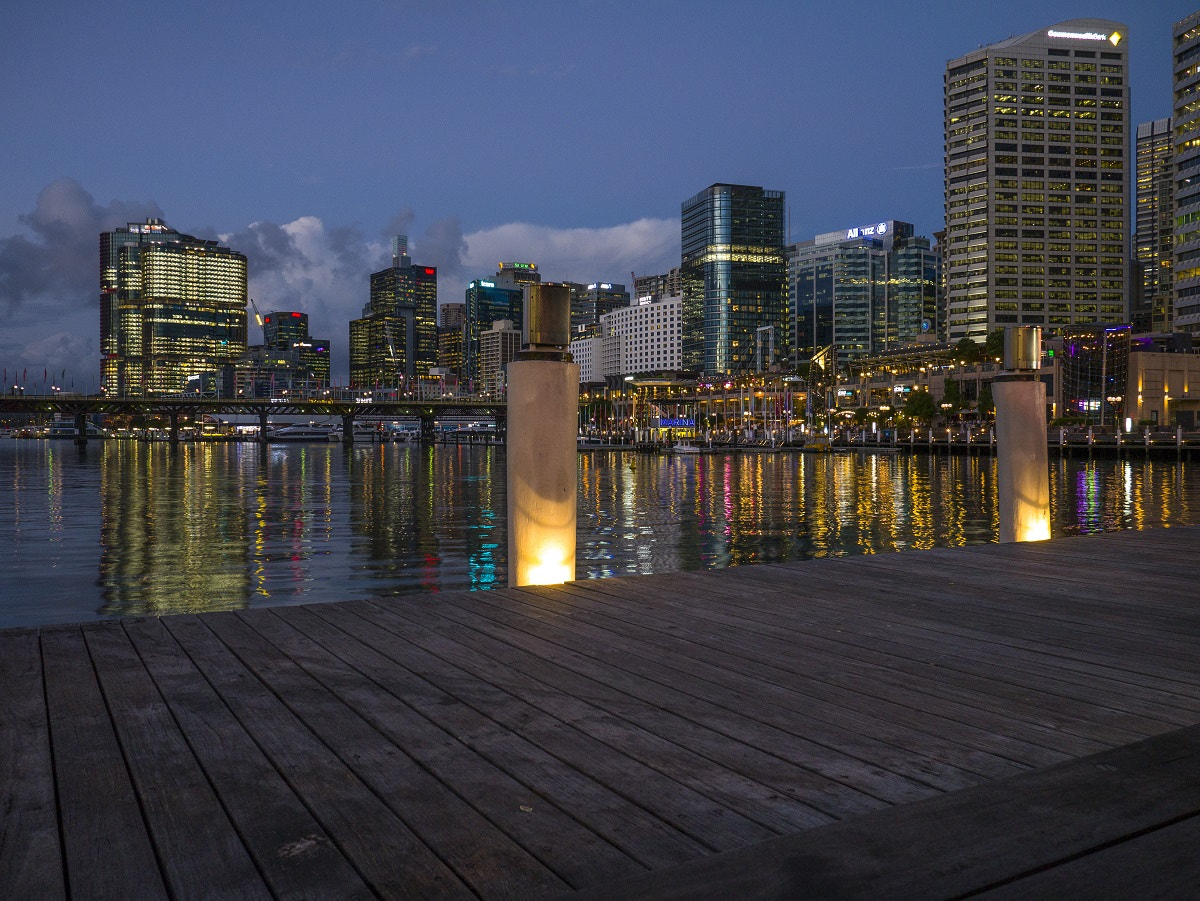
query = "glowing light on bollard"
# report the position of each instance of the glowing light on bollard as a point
(542, 444)
(555, 565)
(1023, 481)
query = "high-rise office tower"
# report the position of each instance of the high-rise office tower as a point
(171, 307)
(733, 274)
(649, 288)
(493, 299)
(1186, 199)
(286, 331)
(1154, 226)
(1037, 180)
(590, 303)
(864, 290)
(396, 338)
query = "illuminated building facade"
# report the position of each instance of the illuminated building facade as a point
(1037, 181)
(490, 300)
(1186, 196)
(1153, 226)
(498, 346)
(591, 302)
(171, 306)
(1095, 372)
(863, 290)
(656, 287)
(395, 341)
(733, 275)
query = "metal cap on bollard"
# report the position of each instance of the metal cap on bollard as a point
(546, 328)
(1023, 348)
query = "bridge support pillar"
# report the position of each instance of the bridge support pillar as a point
(428, 429)
(81, 435)
(347, 429)
(174, 433)
(263, 426)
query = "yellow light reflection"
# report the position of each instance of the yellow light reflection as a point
(554, 565)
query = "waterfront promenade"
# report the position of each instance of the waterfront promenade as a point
(915, 724)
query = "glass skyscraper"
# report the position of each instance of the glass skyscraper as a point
(491, 300)
(1153, 225)
(1037, 174)
(1186, 140)
(733, 274)
(171, 306)
(862, 290)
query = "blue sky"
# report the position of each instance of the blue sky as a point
(568, 133)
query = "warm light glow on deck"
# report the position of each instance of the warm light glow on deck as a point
(554, 565)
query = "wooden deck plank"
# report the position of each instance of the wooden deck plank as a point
(962, 843)
(1161, 863)
(31, 859)
(376, 842)
(700, 817)
(907, 613)
(944, 730)
(869, 649)
(531, 741)
(578, 855)
(645, 732)
(293, 852)
(176, 798)
(652, 841)
(479, 853)
(874, 766)
(108, 850)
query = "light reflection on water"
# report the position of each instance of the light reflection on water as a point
(125, 528)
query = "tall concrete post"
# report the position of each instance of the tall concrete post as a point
(1023, 472)
(542, 443)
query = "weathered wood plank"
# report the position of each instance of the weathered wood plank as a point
(31, 858)
(479, 853)
(968, 841)
(729, 663)
(108, 849)
(176, 798)
(648, 733)
(818, 636)
(701, 817)
(606, 809)
(872, 766)
(378, 844)
(577, 854)
(294, 853)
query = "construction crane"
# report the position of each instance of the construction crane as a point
(258, 318)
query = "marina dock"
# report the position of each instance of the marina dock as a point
(1014, 719)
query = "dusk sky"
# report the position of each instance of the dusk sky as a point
(566, 133)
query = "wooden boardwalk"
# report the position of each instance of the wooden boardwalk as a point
(607, 734)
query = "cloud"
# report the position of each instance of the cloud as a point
(649, 246)
(50, 275)
(57, 268)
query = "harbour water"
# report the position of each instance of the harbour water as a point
(128, 528)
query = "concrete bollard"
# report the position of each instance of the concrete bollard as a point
(1022, 463)
(542, 444)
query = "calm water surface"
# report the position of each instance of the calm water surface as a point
(127, 528)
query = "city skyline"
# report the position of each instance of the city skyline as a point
(270, 136)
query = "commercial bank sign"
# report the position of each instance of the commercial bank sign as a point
(1114, 38)
(867, 231)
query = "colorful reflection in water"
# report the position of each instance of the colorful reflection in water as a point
(125, 528)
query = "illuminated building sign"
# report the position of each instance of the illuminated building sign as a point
(1114, 38)
(686, 422)
(429, 271)
(484, 284)
(867, 231)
